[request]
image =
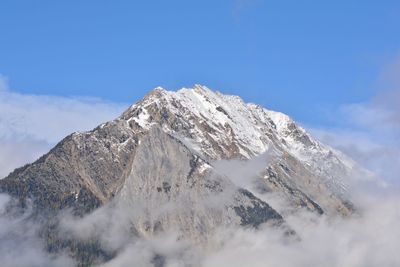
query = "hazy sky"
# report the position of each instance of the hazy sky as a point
(299, 57)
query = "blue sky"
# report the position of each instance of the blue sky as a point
(299, 57)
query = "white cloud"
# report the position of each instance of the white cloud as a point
(245, 173)
(19, 245)
(51, 118)
(369, 132)
(19, 151)
(377, 152)
(31, 124)
(369, 240)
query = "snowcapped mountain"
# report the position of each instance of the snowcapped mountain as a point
(225, 127)
(157, 162)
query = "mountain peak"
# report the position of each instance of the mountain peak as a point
(223, 126)
(156, 92)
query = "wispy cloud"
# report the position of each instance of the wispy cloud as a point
(369, 132)
(241, 6)
(31, 124)
(357, 242)
(19, 244)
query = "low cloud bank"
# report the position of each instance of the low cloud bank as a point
(19, 242)
(369, 238)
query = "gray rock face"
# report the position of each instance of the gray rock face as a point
(181, 191)
(158, 157)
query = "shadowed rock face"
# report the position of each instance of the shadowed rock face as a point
(83, 171)
(158, 158)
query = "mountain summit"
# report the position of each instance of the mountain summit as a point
(158, 164)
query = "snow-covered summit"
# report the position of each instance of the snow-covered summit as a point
(209, 118)
(221, 126)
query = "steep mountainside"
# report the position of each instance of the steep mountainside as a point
(220, 126)
(159, 156)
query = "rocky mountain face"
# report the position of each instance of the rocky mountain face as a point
(217, 126)
(157, 161)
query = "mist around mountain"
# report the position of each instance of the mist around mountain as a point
(197, 178)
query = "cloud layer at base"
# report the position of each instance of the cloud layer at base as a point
(367, 239)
